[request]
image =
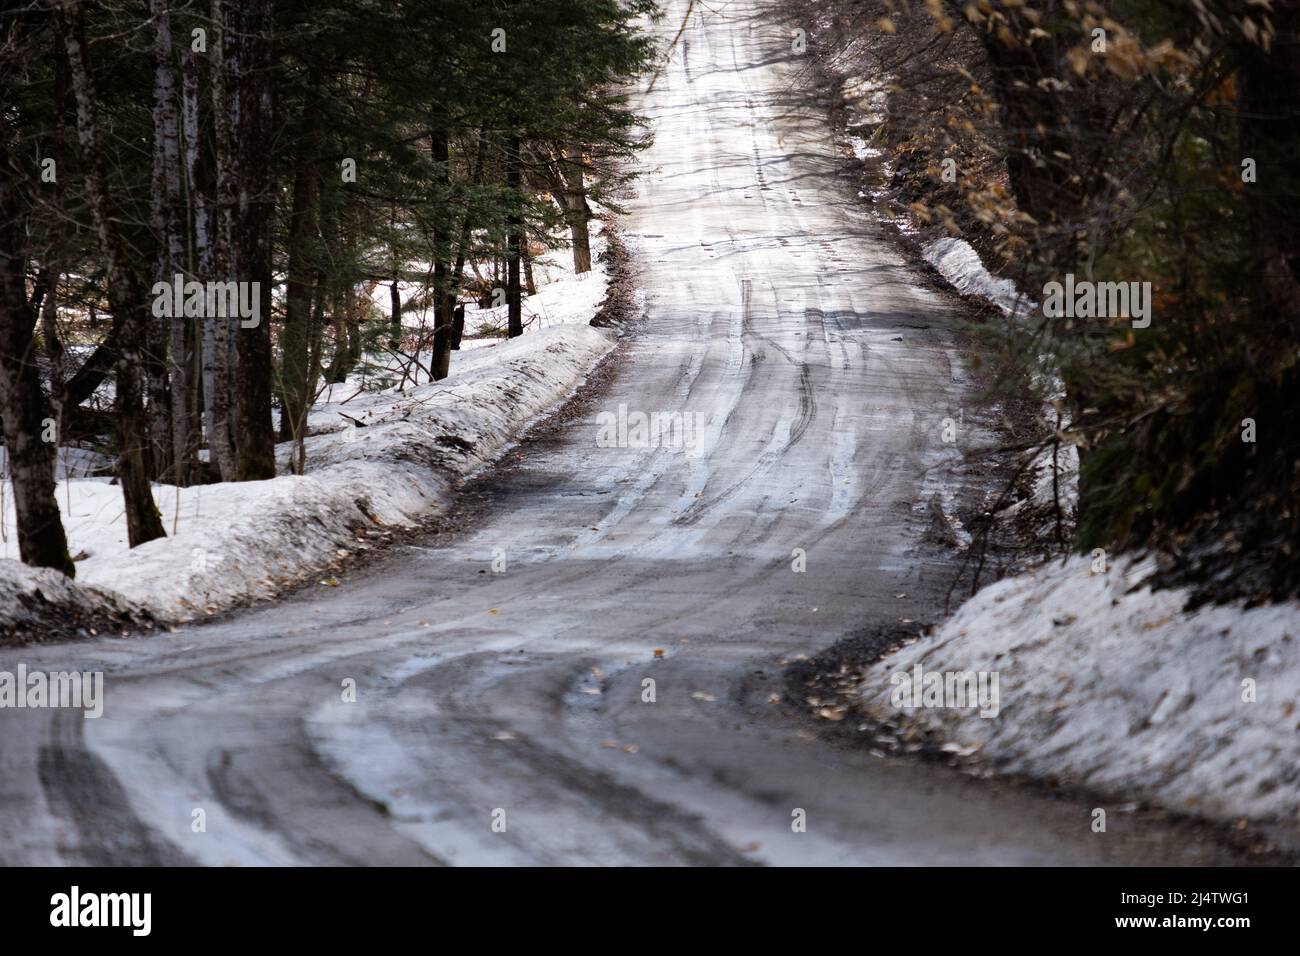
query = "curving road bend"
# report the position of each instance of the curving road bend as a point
(820, 367)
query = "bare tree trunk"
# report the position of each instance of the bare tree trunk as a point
(23, 412)
(317, 333)
(395, 312)
(217, 337)
(53, 343)
(256, 452)
(155, 354)
(353, 322)
(340, 363)
(295, 341)
(346, 338)
(457, 326)
(462, 251)
(394, 297)
(154, 343)
(50, 271)
(126, 294)
(317, 336)
(341, 298)
(576, 211)
(515, 242)
(167, 223)
(442, 293)
(198, 341)
(158, 406)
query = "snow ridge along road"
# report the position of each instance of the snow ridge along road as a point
(500, 718)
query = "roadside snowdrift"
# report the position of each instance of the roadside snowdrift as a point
(43, 604)
(958, 262)
(231, 543)
(1121, 691)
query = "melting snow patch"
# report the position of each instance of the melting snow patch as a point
(1110, 685)
(959, 263)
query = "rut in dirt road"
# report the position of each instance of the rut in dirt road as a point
(500, 717)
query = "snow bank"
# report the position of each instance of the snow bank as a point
(37, 603)
(1109, 685)
(229, 543)
(383, 451)
(959, 263)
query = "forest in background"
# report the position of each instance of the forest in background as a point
(327, 150)
(303, 151)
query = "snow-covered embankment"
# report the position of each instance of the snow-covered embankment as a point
(374, 461)
(1107, 684)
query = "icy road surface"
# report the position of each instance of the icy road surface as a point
(499, 717)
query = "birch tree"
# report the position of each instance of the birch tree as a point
(126, 294)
